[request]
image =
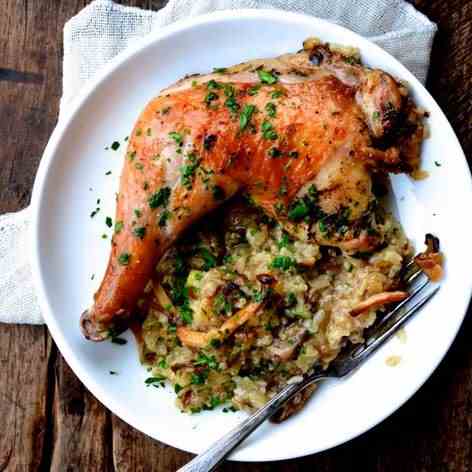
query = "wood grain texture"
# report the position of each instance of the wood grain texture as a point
(51, 422)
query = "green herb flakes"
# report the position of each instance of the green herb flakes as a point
(268, 131)
(298, 211)
(139, 232)
(118, 226)
(159, 198)
(108, 221)
(210, 97)
(254, 90)
(206, 360)
(267, 77)
(271, 109)
(177, 137)
(245, 116)
(165, 216)
(282, 262)
(115, 145)
(188, 170)
(124, 258)
(274, 152)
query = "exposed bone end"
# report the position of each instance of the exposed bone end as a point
(96, 331)
(90, 329)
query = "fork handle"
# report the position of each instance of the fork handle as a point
(214, 455)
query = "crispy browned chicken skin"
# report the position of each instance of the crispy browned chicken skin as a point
(301, 134)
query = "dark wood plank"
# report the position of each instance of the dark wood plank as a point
(81, 433)
(133, 451)
(25, 352)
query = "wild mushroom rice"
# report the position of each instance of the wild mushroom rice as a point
(241, 307)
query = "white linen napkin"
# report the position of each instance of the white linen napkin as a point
(103, 29)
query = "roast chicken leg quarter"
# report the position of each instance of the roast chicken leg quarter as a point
(303, 135)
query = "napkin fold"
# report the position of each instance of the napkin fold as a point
(103, 29)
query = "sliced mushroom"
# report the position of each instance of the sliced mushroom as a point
(200, 339)
(431, 260)
(294, 405)
(284, 349)
(378, 300)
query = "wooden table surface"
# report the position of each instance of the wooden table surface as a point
(50, 421)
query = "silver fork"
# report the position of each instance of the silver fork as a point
(346, 363)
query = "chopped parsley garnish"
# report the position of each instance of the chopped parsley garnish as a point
(177, 137)
(139, 232)
(253, 90)
(298, 211)
(232, 104)
(124, 258)
(137, 212)
(437, 164)
(198, 378)
(277, 94)
(177, 388)
(268, 131)
(219, 70)
(108, 173)
(290, 300)
(271, 109)
(206, 361)
(108, 221)
(139, 166)
(112, 372)
(274, 152)
(132, 155)
(209, 141)
(213, 85)
(160, 198)
(118, 226)
(153, 380)
(163, 218)
(375, 115)
(94, 212)
(322, 226)
(210, 97)
(221, 305)
(115, 145)
(208, 258)
(284, 241)
(188, 170)
(282, 262)
(104, 236)
(245, 116)
(267, 77)
(218, 193)
(186, 313)
(165, 110)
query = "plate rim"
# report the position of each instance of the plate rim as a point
(53, 146)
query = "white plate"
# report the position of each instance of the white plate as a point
(67, 244)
